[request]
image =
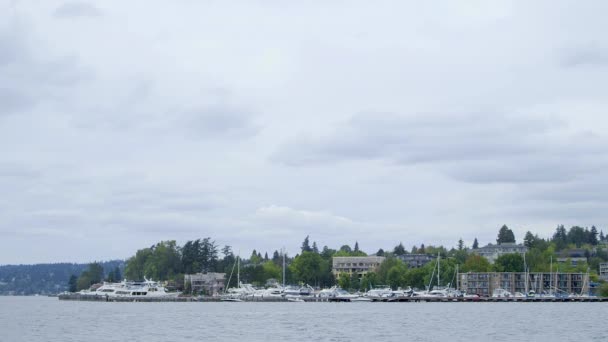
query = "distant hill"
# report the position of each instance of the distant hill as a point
(44, 278)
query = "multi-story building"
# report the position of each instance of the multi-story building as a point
(573, 261)
(484, 283)
(492, 252)
(355, 265)
(210, 283)
(416, 260)
(604, 271)
(574, 257)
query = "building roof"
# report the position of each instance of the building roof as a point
(360, 258)
(502, 246)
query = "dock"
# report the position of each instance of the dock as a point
(498, 300)
(92, 298)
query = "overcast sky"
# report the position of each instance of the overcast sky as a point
(257, 123)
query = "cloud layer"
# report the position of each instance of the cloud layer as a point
(258, 123)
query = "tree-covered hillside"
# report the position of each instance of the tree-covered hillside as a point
(44, 278)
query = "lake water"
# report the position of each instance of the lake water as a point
(34, 319)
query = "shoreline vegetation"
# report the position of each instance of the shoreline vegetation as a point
(168, 262)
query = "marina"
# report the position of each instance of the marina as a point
(313, 299)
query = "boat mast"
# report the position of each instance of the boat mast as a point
(551, 275)
(238, 270)
(438, 270)
(457, 276)
(525, 275)
(283, 250)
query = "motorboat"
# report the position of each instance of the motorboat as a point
(305, 290)
(501, 293)
(379, 293)
(336, 293)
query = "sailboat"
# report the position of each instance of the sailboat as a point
(237, 294)
(438, 291)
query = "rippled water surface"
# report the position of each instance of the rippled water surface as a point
(35, 319)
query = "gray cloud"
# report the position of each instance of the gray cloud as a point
(216, 122)
(11, 49)
(12, 101)
(29, 76)
(592, 54)
(472, 148)
(403, 139)
(16, 170)
(77, 9)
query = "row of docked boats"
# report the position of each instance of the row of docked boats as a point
(502, 293)
(335, 293)
(246, 292)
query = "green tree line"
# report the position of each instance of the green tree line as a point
(167, 260)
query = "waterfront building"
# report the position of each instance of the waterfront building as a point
(604, 271)
(355, 265)
(573, 256)
(416, 260)
(492, 252)
(484, 283)
(210, 283)
(573, 261)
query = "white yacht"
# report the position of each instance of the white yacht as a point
(147, 288)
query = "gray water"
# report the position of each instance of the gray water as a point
(34, 319)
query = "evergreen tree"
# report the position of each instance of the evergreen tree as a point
(356, 247)
(117, 274)
(380, 252)
(306, 245)
(560, 237)
(189, 257)
(399, 249)
(422, 250)
(505, 235)
(265, 256)
(593, 236)
(92, 275)
(529, 239)
(577, 235)
(315, 249)
(72, 283)
(602, 237)
(475, 244)
(111, 278)
(227, 251)
(276, 257)
(460, 244)
(207, 256)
